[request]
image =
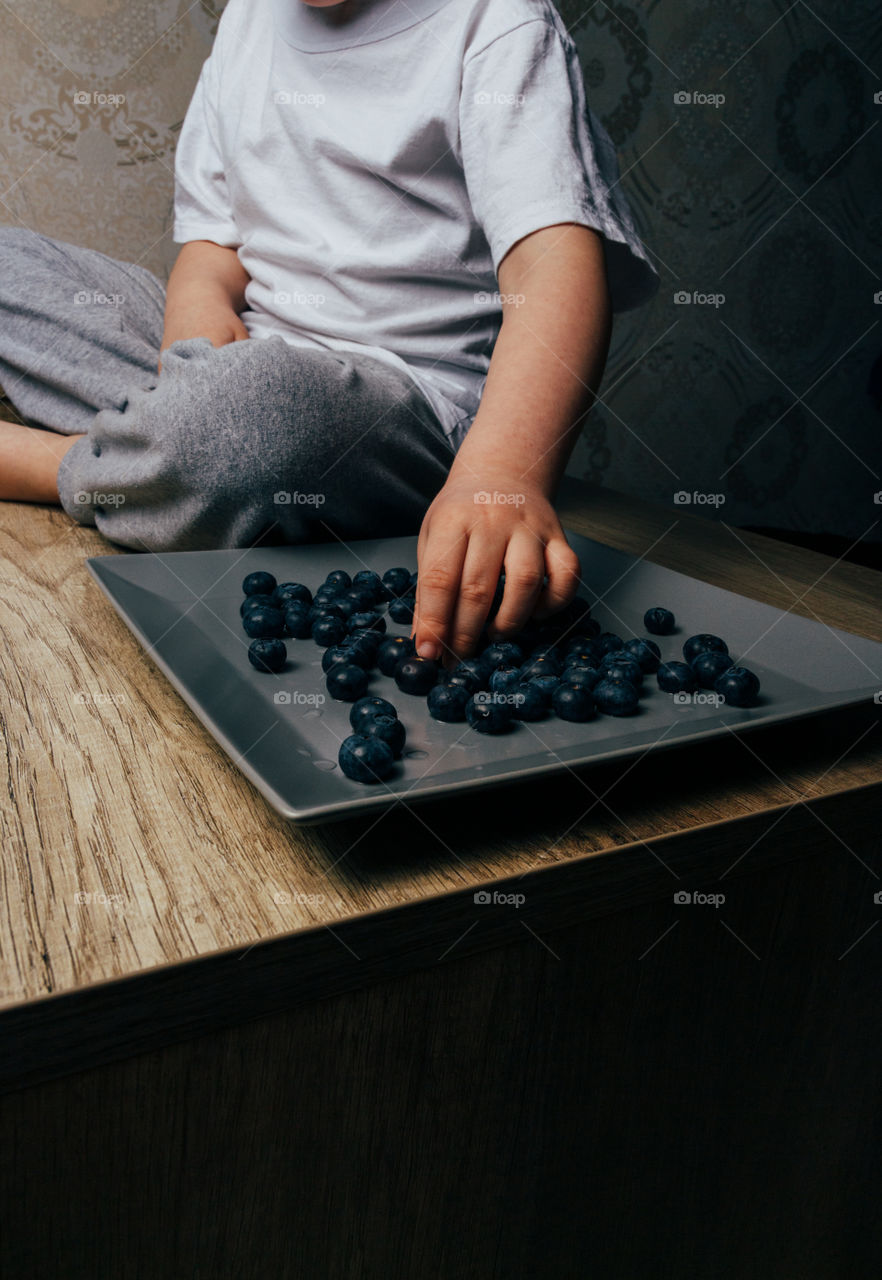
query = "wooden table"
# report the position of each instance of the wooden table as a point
(233, 1048)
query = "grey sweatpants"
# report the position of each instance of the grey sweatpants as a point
(255, 442)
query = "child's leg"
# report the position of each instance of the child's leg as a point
(77, 329)
(258, 441)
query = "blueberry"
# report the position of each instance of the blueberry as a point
(571, 703)
(366, 642)
(474, 669)
(344, 607)
(264, 621)
(487, 714)
(366, 622)
(325, 609)
(401, 610)
(659, 622)
(608, 640)
(360, 597)
(259, 584)
(267, 654)
(397, 581)
(580, 674)
(546, 685)
(416, 675)
(392, 649)
(368, 707)
(285, 592)
(701, 643)
(339, 579)
(627, 667)
(528, 702)
(389, 729)
(369, 581)
(335, 655)
(540, 667)
(737, 686)
(328, 629)
(503, 653)
(447, 702)
(297, 620)
(256, 602)
(504, 679)
(615, 697)
(645, 653)
(346, 682)
(365, 759)
(708, 665)
(676, 677)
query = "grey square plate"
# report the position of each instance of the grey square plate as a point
(184, 608)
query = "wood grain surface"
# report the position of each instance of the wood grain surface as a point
(113, 789)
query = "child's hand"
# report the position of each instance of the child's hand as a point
(220, 324)
(473, 529)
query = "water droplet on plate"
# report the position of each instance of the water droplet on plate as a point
(325, 765)
(417, 753)
(315, 712)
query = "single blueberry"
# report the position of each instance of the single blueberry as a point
(259, 584)
(360, 597)
(256, 602)
(504, 679)
(285, 592)
(390, 729)
(397, 581)
(487, 714)
(366, 642)
(658, 621)
(267, 654)
(540, 667)
(264, 621)
(392, 649)
(474, 669)
(335, 655)
(365, 759)
(366, 622)
(325, 609)
(645, 653)
(370, 581)
(416, 675)
(607, 641)
(447, 702)
(346, 682)
(328, 629)
(339, 579)
(503, 653)
(676, 677)
(581, 674)
(615, 697)
(528, 702)
(368, 707)
(546, 685)
(626, 666)
(401, 610)
(709, 664)
(297, 620)
(701, 644)
(571, 703)
(737, 686)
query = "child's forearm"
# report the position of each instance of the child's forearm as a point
(547, 363)
(205, 294)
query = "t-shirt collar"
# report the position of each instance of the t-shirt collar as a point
(311, 30)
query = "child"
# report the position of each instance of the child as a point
(353, 181)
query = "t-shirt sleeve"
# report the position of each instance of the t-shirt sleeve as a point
(203, 209)
(534, 154)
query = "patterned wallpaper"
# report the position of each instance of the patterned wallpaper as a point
(750, 146)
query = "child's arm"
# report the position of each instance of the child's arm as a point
(546, 367)
(206, 292)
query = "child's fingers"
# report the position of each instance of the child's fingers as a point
(439, 568)
(477, 586)
(564, 576)
(524, 575)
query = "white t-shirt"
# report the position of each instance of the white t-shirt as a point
(372, 174)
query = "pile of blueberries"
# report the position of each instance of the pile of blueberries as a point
(564, 666)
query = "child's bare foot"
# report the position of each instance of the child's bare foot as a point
(29, 459)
